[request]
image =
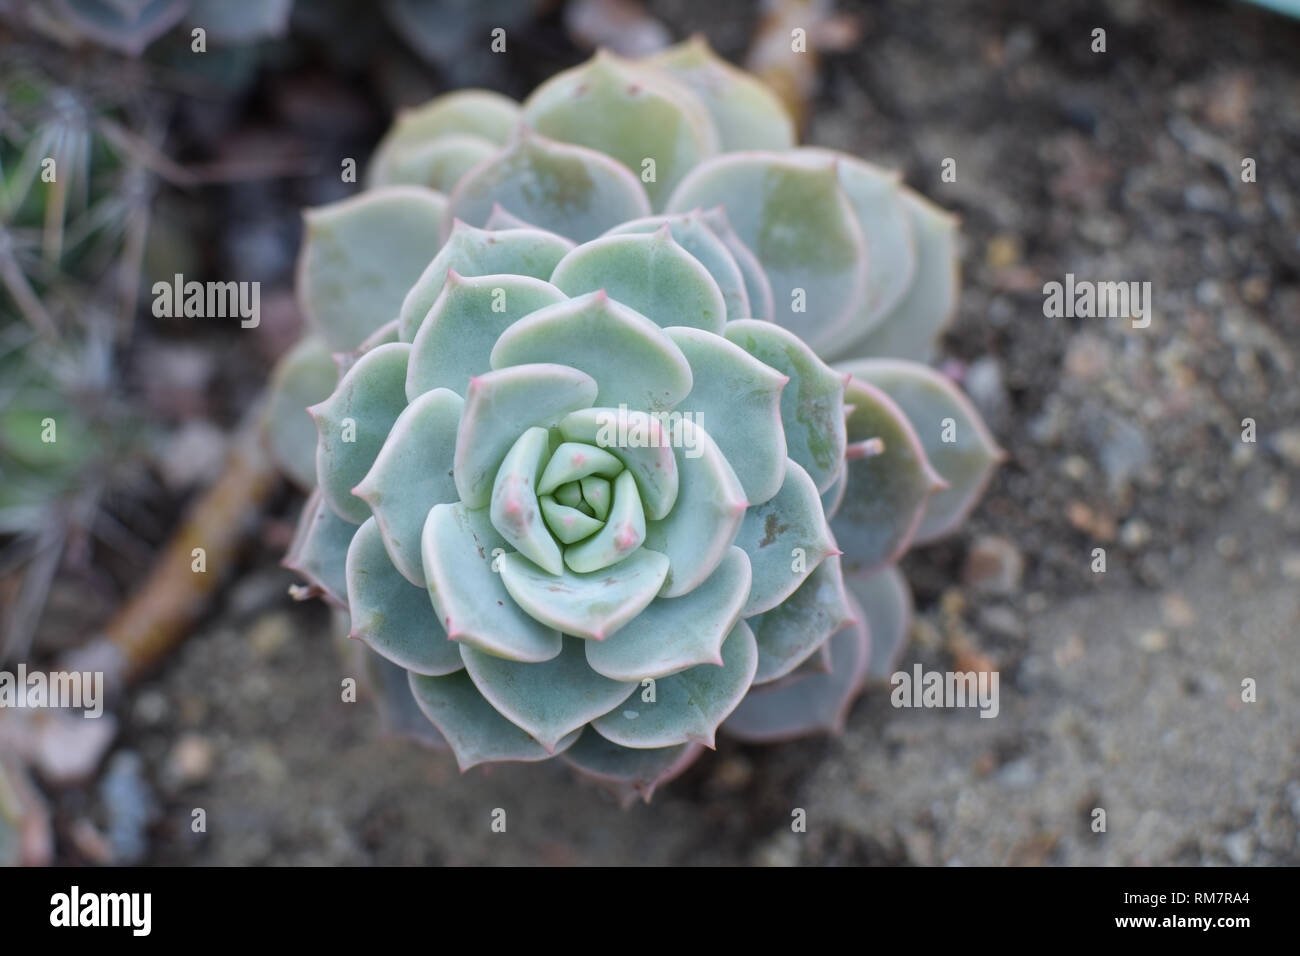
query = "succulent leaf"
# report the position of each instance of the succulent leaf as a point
(758, 288)
(479, 252)
(789, 633)
(461, 552)
(687, 706)
(503, 404)
(548, 700)
(593, 605)
(786, 538)
(694, 235)
(883, 212)
(411, 474)
(709, 508)
(673, 634)
(456, 337)
(515, 510)
(886, 600)
(746, 113)
(304, 376)
(631, 773)
(574, 192)
(437, 164)
(479, 113)
(353, 424)
(320, 549)
(951, 431)
(572, 461)
(361, 255)
(910, 328)
(632, 361)
(390, 685)
(623, 531)
(886, 490)
(813, 702)
(567, 522)
(648, 272)
(738, 398)
(812, 402)
(473, 728)
(625, 111)
(797, 220)
(645, 449)
(392, 616)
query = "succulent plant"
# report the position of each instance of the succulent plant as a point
(584, 471)
(129, 26)
(73, 207)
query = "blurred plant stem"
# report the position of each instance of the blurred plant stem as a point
(176, 593)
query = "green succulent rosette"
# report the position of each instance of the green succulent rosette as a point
(585, 479)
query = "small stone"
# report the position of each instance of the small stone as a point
(994, 565)
(1072, 650)
(1176, 611)
(150, 708)
(1088, 358)
(1291, 566)
(1209, 293)
(66, 747)
(1099, 526)
(191, 760)
(270, 633)
(925, 634)
(1018, 774)
(1134, 534)
(952, 603)
(1287, 444)
(984, 384)
(781, 850)
(1153, 641)
(1076, 467)
(130, 806)
(1227, 546)
(733, 773)
(1275, 497)
(1239, 847)
(1001, 621)
(193, 456)
(1254, 290)
(1003, 250)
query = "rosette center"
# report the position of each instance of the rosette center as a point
(567, 503)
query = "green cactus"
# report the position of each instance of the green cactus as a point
(587, 474)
